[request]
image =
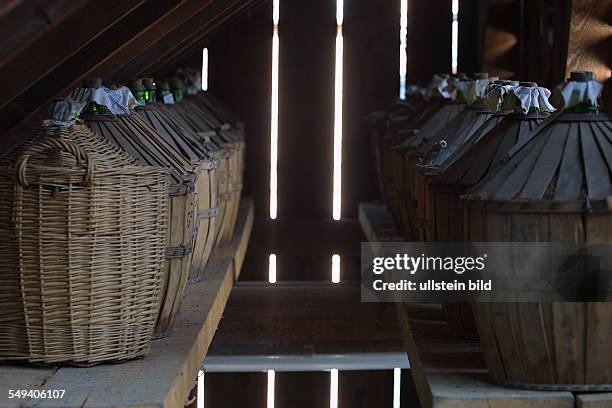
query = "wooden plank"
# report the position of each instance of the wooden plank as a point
(450, 372)
(166, 376)
(377, 223)
(603, 400)
(289, 317)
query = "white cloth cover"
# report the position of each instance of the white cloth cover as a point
(574, 93)
(63, 112)
(495, 95)
(527, 98)
(441, 86)
(472, 90)
(536, 97)
(117, 101)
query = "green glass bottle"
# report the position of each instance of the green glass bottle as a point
(138, 90)
(178, 90)
(164, 93)
(150, 90)
(92, 107)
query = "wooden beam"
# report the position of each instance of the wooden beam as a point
(60, 44)
(180, 37)
(69, 74)
(179, 55)
(179, 17)
(23, 22)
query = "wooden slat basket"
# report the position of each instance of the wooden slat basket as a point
(82, 238)
(187, 143)
(441, 215)
(556, 186)
(226, 151)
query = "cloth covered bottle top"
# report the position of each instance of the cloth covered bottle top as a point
(522, 97)
(63, 112)
(475, 90)
(117, 101)
(580, 92)
(440, 87)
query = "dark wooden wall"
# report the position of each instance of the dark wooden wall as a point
(429, 39)
(304, 236)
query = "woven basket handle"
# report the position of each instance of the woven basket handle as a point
(53, 145)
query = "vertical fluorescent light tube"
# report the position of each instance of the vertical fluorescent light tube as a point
(403, 47)
(271, 376)
(200, 395)
(333, 389)
(397, 385)
(205, 69)
(335, 268)
(274, 116)
(337, 192)
(272, 269)
(455, 37)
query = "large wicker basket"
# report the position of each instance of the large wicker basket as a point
(134, 135)
(82, 239)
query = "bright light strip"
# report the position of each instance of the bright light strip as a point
(403, 48)
(275, 11)
(205, 69)
(337, 192)
(200, 403)
(397, 385)
(274, 119)
(333, 389)
(335, 268)
(339, 12)
(271, 376)
(272, 269)
(455, 36)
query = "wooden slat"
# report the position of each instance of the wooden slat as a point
(166, 376)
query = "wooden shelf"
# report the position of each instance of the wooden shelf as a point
(166, 376)
(450, 372)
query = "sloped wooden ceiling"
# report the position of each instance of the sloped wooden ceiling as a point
(49, 46)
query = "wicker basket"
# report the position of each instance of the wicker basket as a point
(138, 139)
(82, 237)
(134, 135)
